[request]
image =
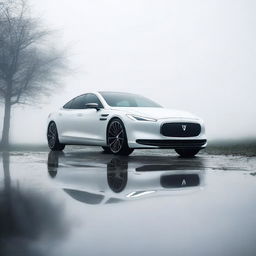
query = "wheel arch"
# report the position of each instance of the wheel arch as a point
(49, 122)
(109, 121)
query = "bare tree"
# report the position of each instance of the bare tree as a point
(28, 66)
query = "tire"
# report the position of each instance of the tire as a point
(53, 138)
(187, 152)
(106, 150)
(117, 138)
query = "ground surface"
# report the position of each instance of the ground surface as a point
(84, 202)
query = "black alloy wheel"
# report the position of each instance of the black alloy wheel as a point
(117, 139)
(53, 138)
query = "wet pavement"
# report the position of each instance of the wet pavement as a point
(84, 202)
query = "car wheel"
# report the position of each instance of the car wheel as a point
(187, 152)
(117, 139)
(53, 138)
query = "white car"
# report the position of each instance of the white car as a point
(121, 122)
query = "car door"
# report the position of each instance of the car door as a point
(82, 125)
(89, 124)
(67, 119)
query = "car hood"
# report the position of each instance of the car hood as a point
(157, 113)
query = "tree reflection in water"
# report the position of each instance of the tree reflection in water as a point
(30, 220)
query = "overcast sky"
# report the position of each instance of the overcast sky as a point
(196, 55)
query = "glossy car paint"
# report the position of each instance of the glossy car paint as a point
(89, 126)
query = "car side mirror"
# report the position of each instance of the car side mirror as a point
(92, 105)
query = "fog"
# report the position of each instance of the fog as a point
(196, 55)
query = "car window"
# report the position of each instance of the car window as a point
(116, 99)
(123, 103)
(68, 105)
(79, 102)
(92, 98)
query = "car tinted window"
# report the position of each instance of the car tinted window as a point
(68, 105)
(92, 98)
(79, 102)
(116, 99)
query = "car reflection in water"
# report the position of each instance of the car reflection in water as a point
(119, 179)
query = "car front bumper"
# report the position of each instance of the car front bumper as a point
(146, 134)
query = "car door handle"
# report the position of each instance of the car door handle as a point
(79, 114)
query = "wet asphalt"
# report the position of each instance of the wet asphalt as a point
(85, 202)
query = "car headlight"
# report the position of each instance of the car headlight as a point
(141, 118)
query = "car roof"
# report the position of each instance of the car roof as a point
(114, 92)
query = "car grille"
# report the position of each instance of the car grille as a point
(180, 129)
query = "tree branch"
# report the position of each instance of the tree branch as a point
(27, 67)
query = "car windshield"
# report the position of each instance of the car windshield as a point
(119, 99)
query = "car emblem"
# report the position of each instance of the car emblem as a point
(184, 127)
(184, 183)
